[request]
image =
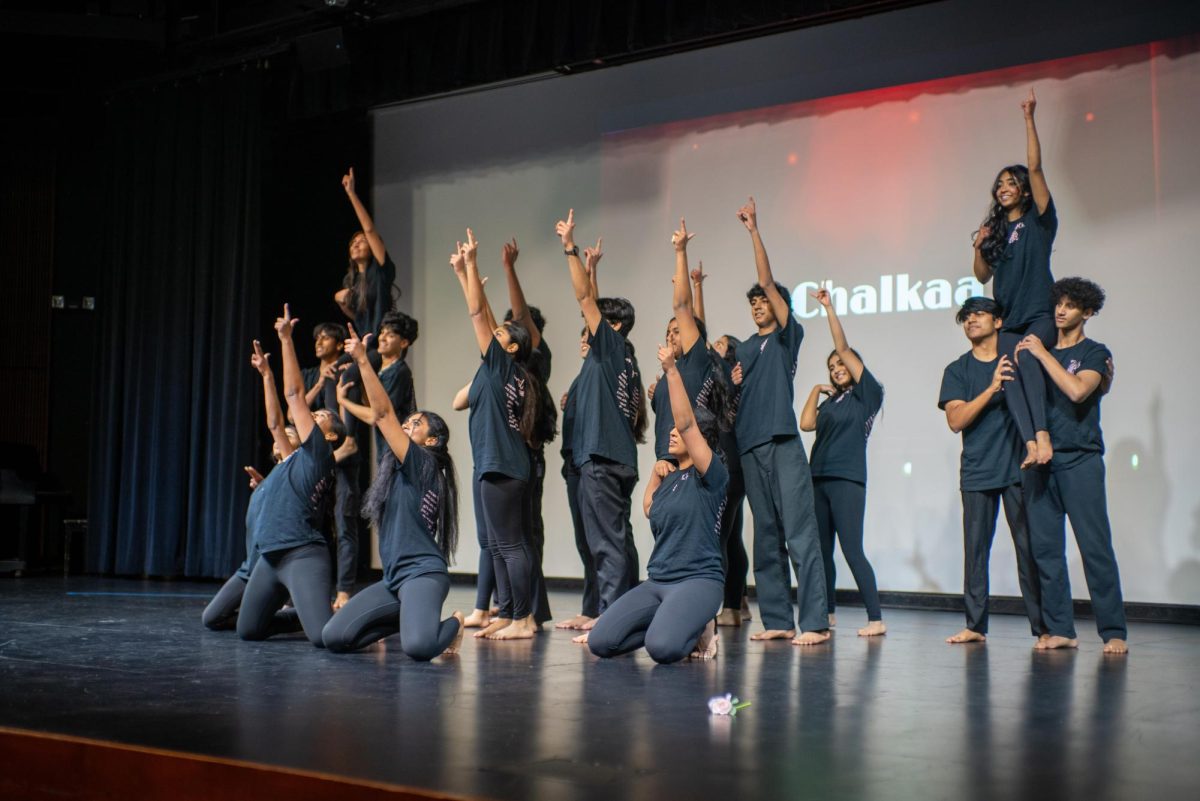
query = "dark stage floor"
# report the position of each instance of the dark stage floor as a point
(901, 717)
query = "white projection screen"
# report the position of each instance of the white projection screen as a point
(876, 192)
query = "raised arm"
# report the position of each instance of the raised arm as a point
(591, 263)
(681, 410)
(1033, 155)
(681, 299)
(477, 308)
(748, 214)
(1078, 387)
(374, 240)
(364, 413)
(516, 296)
(385, 416)
(260, 362)
(293, 384)
(844, 352)
(808, 415)
(580, 279)
(698, 277)
(960, 413)
(982, 270)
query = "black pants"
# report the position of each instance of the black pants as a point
(591, 594)
(505, 512)
(1025, 395)
(485, 584)
(667, 619)
(222, 611)
(733, 548)
(979, 529)
(1078, 493)
(301, 572)
(414, 612)
(605, 493)
(346, 513)
(537, 534)
(840, 506)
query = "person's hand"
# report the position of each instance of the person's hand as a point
(698, 275)
(980, 236)
(509, 253)
(681, 237)
(259, 360)
(329, 372)
(666, 357)
(592, 256)
(562, 402)
(663, 468)
(457, 261)
(826, 389)
(285, 324)
(1029, 104)
(256, 477)
(471, 248)
(650, 390)
(748, 214)
(343, 391)
(735, 375)
(357, 348)
(566, 230)
(822, 296)
(1031, 343)
(1003, 373)
(348, 181)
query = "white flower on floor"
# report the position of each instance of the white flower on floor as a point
(726, 705)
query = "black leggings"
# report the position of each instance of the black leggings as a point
(485, 584)
(304, 573)
(537, 535)
(591, 592)
(505, 513)
(414, 611)
(667, 619)
(733, 549)
(222, 611)
(840, 505)
(1025, 395)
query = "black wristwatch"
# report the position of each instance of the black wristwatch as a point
(574, 251)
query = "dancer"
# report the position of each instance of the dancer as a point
(610, 419)
(1080, 370)
(503, 400)
(775, 468)
(672, 613)
(414, 502)
(366, 293)
(294, 558)
(397, 333)
(222, 610)
(989, 469)
(843, 422)
(1013, 244)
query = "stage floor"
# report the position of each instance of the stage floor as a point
(901, 717)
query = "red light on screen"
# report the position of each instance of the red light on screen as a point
(793, 159)
(914, 116)
(1089, 117)
(695, 146)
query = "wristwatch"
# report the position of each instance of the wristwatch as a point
(574, 251)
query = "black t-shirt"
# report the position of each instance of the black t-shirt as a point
(685, 519)
(991, 446)
(397, 381)
(254, 511)
(766, 409)
(327, 397)
(407, 548)
(1075, 427)
(375, 283)
(695, 370)
(568, 421)
(728, 439)
(540, 361)
(843, 424)
(607, 391)
(291, 511)
(1022, 273)
(495, 398)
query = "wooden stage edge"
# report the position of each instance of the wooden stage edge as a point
(36, 766)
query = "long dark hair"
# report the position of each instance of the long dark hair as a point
(996, 220)
(356, 282)
(437, 478)
(538, 418)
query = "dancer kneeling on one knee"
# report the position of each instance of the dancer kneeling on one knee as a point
(414, 502)
(672, 614)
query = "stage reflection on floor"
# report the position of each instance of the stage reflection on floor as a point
(901, 717)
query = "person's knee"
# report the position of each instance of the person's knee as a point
(421, 648)
(216, 621)
(334, 638)
(665, 650)
(249, 631)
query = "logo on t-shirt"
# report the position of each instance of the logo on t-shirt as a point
(1073, 366)
(1015, 234)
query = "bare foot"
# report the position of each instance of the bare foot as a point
(1116, 646)
(812, 637)
(522, 629)
(774, 634)
(874, 628)
(746, 609)
(1031, 455)
(588, 626)
(495, 610)
(832, 620)
(477, 619)
(729, 617)
(1055, 642)
(454, 646)
(493, 627)
(1045, 451)
(572, 623)
(581, 639)
(340, 600)
(966, 635)
(706, 646)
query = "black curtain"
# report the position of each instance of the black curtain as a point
(177, 406)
